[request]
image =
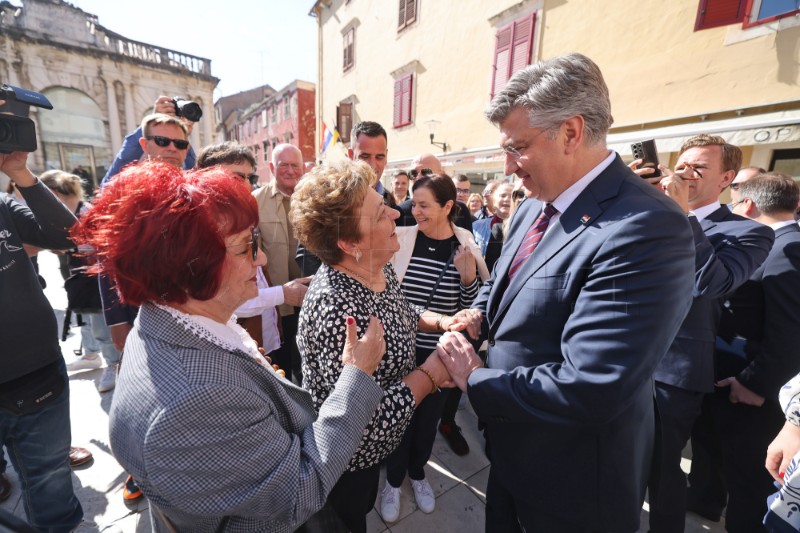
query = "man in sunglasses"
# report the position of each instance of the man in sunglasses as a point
(133, 149)
(728, 249)
(745, 174)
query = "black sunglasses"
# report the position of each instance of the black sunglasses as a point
(163, 142)
(421, 172)
(252, 246)
(735, 186)
(252, 178)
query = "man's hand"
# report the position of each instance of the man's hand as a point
(119, 333)
(164, 105)
(781, 451)
(740, 393)
(469, 319)
(459, 357)
(676, 188)
(295, 291)
(14, 165)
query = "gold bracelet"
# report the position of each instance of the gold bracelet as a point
(439, 324)
(434, 386)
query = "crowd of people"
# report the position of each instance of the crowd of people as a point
(271, 349)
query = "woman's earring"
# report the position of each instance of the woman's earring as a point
(357, 255)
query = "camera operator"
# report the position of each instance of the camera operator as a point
(34, 391)
(132, 151)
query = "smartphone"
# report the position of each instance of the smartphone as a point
(648, 153)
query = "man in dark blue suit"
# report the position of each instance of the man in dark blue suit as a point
(576, 323)
(756, 353)
(728, 249)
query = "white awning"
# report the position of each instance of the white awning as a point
(768, 128)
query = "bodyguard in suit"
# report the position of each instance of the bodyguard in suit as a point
(579, 309)
(728, 249)
(756, 353)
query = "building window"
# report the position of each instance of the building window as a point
(513, 50)
(408, 13)
(349, 49)
(714, 13)
(762, 11)
(274, 114)
(786, 161)
(403, 100)
(266, 150)
(344, 120)
(255, 124)
(287, 109)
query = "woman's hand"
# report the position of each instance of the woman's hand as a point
(466, 265)
(781, 450)
(367, 352)
(459, 357)
(466, 319)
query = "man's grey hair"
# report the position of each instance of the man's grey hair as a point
(773, 193)
(554, 90)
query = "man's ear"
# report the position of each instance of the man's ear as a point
(271, 168)
(143, 143)
(727, 178)
(573, 133)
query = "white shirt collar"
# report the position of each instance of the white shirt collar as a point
(702, 212)
(782, 224)
(566, 198)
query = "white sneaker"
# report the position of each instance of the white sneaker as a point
(85, 362)
(423, 493)
(390, 503)
(108, 380)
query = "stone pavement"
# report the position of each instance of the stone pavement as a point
(459, 483)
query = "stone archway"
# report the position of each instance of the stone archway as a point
(73, 135)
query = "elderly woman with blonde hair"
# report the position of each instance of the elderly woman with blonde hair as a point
(340, 218)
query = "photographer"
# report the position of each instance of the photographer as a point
(34, 391)
(132, 151)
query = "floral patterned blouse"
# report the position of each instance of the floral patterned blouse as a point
(331, 298)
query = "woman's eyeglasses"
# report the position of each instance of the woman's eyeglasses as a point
(163, 142)
(252, 246)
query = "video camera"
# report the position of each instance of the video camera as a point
(17, 131)
(187, 109)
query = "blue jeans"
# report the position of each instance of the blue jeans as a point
(38, 446)
(96, 338)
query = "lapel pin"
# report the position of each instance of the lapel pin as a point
(585, 219)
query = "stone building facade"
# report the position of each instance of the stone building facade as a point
(100, 83)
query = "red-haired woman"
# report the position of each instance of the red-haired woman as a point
(216, 439)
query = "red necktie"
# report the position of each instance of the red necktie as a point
(532, 238)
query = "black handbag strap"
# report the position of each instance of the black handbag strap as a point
(439, 280)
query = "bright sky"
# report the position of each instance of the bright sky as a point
(249, 42)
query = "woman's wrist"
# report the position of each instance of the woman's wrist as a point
(434, 383)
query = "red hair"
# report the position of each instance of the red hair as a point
(160, 232)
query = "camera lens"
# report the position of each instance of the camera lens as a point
(187, 109)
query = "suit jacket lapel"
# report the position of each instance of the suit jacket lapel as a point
(583, 211)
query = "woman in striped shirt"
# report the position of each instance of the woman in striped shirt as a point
(440, 269)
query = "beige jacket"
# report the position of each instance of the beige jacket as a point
(407, 236)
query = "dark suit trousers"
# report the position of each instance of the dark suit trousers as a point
(744, 433)
(707, 492)
(677, 410)
(507, 512)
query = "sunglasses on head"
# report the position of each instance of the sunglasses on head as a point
(421, 172)
(163, 142)
(252, 246)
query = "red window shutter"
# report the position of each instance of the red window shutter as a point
(398, 103)
(713, 13)
(407, 13)
(406, 100)
(411, 11)
(523, 43)
(502, 58)
(403, 101)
